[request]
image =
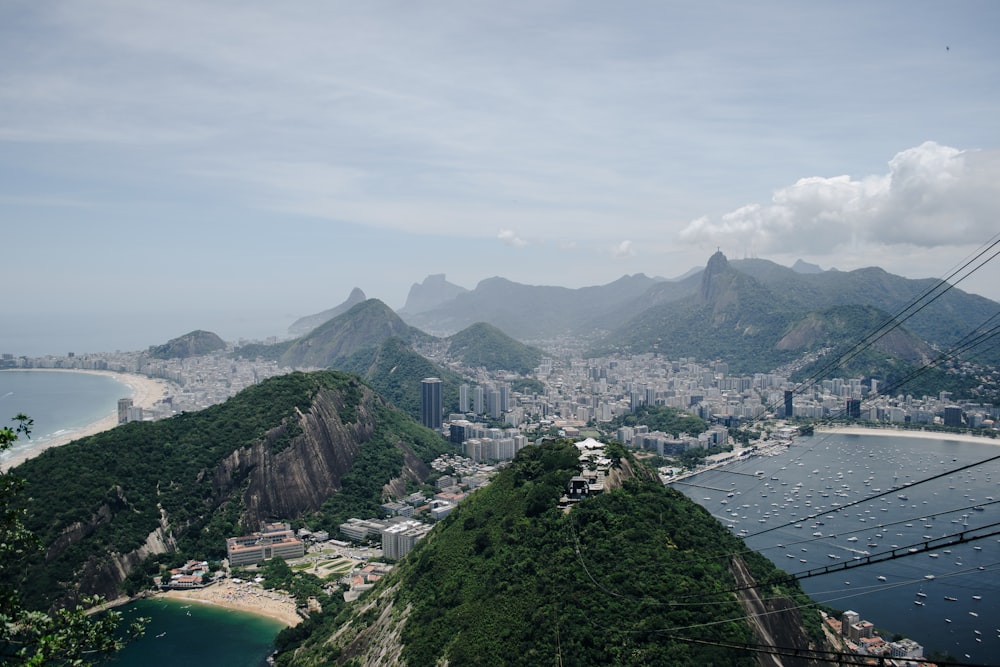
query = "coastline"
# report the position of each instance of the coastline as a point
(146, 392)
(906, 433)
(243, 597)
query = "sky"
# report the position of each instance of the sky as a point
(232, 166)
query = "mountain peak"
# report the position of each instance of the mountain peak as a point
(716, 267)
(802, 266)
(304, 325)
(434, 291)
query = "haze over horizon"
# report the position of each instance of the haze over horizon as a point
(234, 166)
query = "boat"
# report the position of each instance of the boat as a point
(950, 598)
(977, 597)
(972, 613)
(918, 603)
(929, 577)
(921, 594)
(881, 578)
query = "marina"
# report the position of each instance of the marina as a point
(861, 503)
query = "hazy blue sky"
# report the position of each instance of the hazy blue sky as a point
(232, 166)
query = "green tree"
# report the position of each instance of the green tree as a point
(66, 637)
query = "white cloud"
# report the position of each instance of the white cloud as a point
(512, 239)
(623, 250)
(932, 195)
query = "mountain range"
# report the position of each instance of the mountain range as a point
(753, 313)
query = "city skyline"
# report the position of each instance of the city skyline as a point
(177, 166)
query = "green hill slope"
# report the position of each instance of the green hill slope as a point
(395, 370)
(365, 325)
(483, 345)
(624, 577)
(189, 345)
(314, 445)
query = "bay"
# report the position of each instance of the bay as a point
(791, 508)
(58, 402)
(196, 635)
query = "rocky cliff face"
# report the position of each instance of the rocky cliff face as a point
(301, 476)
(276, 483)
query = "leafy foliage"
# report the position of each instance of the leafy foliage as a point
(68, 636)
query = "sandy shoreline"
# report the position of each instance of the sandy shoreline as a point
(243, 597)
(907, 433)
(145, 394)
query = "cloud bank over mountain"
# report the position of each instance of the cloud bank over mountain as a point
(932, 195)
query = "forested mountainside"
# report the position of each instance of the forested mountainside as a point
(320, 446)
(628, 576)
(189, 345)
(485, 346)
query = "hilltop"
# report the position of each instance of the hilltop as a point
(364, 325)
(304, 325)
(190, 344)
(485, 346)
(624, 576)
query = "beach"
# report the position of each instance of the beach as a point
(244, 597)
(146, 392)
(906, 433)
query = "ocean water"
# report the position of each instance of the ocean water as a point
(59, 402)
(793, 512)
(196, 635)
(179, 633)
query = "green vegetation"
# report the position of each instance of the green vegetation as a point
(395, 371)
(268, 352)
(528, 386)
(483, 345)
(662, 418)
(364, 326)
(107, 491)
(611, 582)
(67, 637)
(189, 345)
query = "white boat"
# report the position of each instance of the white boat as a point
(881, 578)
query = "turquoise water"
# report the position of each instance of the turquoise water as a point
(59, 402)
(179, 633)
(196, 635)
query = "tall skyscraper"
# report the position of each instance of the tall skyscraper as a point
(431, 403)
(123, 405)
(477, 400)
(789, 407)
(463, 398)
